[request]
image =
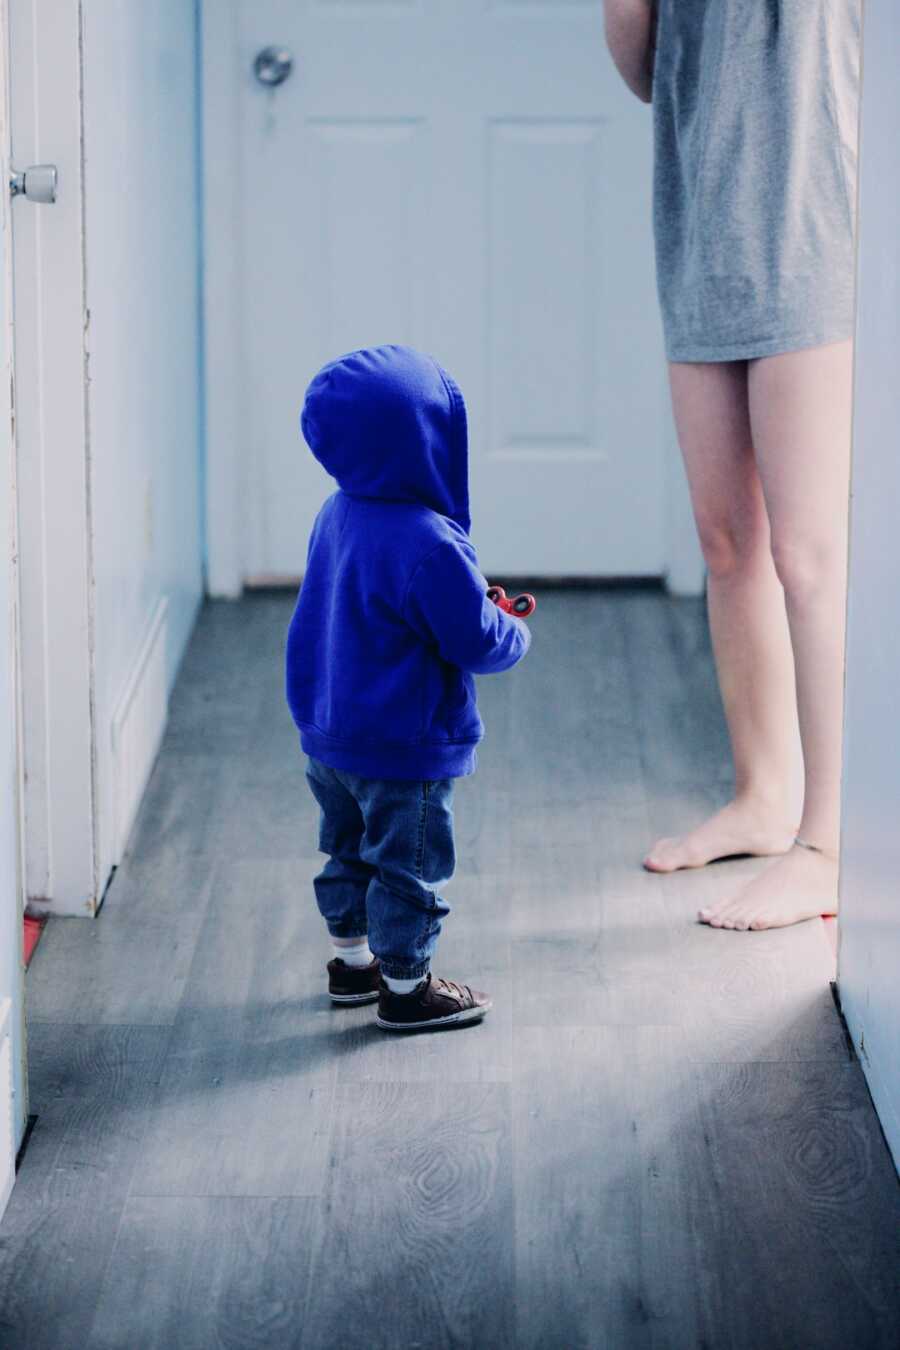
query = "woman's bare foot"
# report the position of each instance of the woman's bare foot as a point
(801, 885)
(740, 827)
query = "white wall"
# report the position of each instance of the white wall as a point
(141, 226)
(869, 958)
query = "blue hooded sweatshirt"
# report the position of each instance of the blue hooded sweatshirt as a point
(393, 620)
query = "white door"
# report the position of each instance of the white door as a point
(469, 177)
(12, 1020)
(12, 1075)
(51, 321)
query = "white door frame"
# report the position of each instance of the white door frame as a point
(222, 75)
(51, 321)
(223, 336)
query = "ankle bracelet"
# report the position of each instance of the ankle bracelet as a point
(815, 848)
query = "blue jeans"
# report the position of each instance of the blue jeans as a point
(390, 845)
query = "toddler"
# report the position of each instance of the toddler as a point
(391, 623)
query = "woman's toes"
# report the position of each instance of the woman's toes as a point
(738, 916)
(796, 887)
(658, 859)
(729, 914)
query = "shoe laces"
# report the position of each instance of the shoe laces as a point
(460, 991)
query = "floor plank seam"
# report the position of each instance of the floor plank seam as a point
(224, 1195)
(101, 1026)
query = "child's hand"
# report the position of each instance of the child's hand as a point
(520, 606)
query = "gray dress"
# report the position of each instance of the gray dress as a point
(755, 132)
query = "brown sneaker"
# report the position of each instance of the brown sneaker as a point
(353, 984)
(436, 1003)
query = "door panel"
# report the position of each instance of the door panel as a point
(541, 393)
(373, 282)
(468, 177)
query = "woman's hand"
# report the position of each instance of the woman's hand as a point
(631, 39)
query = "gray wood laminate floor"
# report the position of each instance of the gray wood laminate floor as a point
(659, 1138)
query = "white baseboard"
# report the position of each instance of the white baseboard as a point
(138, 726)
(7, 1129)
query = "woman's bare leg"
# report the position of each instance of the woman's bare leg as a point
(800, 411)
(747, 620)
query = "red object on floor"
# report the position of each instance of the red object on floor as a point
(33, 930)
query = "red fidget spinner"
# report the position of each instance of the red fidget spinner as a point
(519, 605)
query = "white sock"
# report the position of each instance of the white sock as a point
(357, 954)
(402, 986)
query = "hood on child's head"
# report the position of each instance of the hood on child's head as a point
(388, 422)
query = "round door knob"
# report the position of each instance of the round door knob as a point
(273, 65)
(37, 183)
